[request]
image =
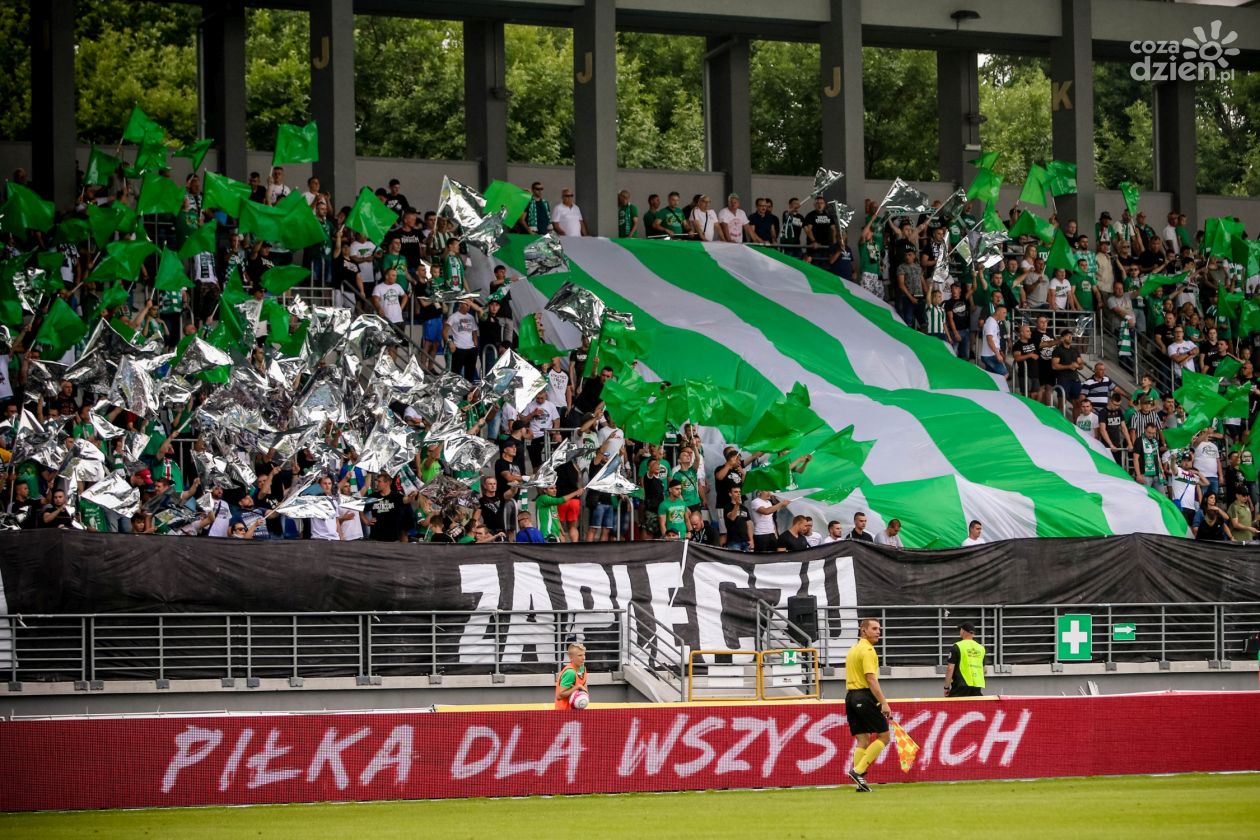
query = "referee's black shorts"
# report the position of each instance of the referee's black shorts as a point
(964, 691)
(863, 712)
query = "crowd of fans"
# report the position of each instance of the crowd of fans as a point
(998, 318)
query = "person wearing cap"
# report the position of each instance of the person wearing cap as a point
(964, 673)
(733, 219)
(572, 676)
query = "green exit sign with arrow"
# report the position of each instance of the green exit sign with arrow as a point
(1123, 632)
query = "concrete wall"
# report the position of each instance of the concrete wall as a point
(422, 181)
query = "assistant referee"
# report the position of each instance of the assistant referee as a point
(864, 703)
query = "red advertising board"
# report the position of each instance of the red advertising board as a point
(245, 759)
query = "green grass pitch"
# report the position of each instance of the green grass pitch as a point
(1198, 806)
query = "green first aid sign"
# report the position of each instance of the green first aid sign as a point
(1074, 638)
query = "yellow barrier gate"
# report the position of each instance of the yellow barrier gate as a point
(743, 675)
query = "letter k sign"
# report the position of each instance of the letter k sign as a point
(1059, 95)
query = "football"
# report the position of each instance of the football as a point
(580, 700)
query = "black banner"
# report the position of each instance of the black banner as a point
(707, 595)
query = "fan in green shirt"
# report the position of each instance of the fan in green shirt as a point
(627, 216)
(673, 511)
(549, 512)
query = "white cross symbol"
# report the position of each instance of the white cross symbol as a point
(1075, 637)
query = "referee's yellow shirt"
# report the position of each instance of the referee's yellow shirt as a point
(862, 660)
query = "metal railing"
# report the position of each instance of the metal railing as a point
(1025, 634)
(1083, 324)
(368, 645)
(744, 675)
(227, 646)
(653, 646)
(1146, 359)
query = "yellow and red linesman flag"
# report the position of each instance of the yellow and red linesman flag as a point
(907, 749)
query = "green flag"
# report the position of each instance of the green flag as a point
(62, 329)
(1228, 305)
(647, 423)
(1223, 237)
(1030, 224)
(501, 195)
(234, 290)
(296, 144)
(159, 194)
(297, 341)
(196, 152)
(280, 279)
(150, 157)
(224, 193)
(1250, 321)
(1035, 186)
(277, 318)
(986, 186)
(531, 345)
(170, 274)
(113, 296)
(370, 217)
(1227, 369)
(985, 160)
(783, 425)
(100, 167)
(202, 241)
(774, 476)
(123, 260)
(1198, 395)
(105, 221)
(1062, 177)
(10, 305)
(1060, 255)
(290, 223)
(991, 221)
(1131, 195)
(837, 461)
(72, 232)
(1237, 401)
(1154, 281)
(141, 129)
(25, 210)
(1180, 436)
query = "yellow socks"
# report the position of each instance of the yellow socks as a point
(868, 756)
(858, 752)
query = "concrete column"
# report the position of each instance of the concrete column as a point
(223, 88)
(595, 115)
(485, 98)
(1176, 147)
(1072, 109)
(958, 112)
(727, 120)
(840, 86)
(332, 96)
(53, 128)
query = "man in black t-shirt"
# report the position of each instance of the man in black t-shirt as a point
(410, 237)
(736, 520)
(1026, 356)
(394, 199)
(494, 506)
(1113, 431)
(388, 517)
(820, 229)
(507, 467)
(793, 539)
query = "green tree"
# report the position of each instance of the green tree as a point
(1122, 146)
(785, 115)
(409, 88)
(902, 136)
(660, 101)
(277, 73)
(15, 72)
(539, 76)
(1227, 126)
(1015, 101)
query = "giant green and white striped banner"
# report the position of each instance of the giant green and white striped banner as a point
(950, 444)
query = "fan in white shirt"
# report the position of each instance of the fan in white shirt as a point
(973, 534)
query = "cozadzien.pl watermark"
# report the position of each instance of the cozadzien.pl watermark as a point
(1205, 57)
